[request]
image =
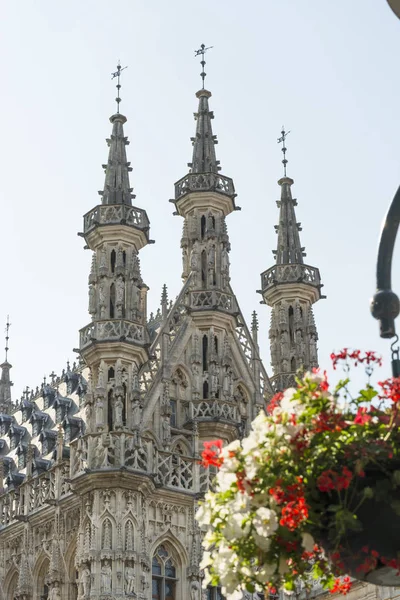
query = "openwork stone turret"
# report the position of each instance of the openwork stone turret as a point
(290, 287)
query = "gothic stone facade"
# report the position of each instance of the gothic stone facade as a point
(100, 466)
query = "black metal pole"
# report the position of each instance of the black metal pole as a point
(385, 305)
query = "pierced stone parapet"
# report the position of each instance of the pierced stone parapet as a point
(111, 214)
(111, 331)
(213, 409)
(290, 273)
(118, 450)
(204, 182)
(213, 299)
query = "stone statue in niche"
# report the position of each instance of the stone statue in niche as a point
(166, 431)
(136, 412)
(193, 225)
(195, 262)
(55, 592)
(86, 580)
(119, 296)
(92, 299)
(106, 577)
(103, 259)
(211, 265)
(100, 454)
(299, 346)
(135, 297)
(297, 314)
(214, 381)
(274, 351)
(282, 314)
(120, 257)
(196, 378)
(130, 578)
(119, 407)
(102, 300)
(99, 410)
(285, 344)
(195, 590)
(313, 350)
(210, 222)
(225, 266)
(285, 365)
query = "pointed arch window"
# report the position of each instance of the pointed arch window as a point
(291, 323)
(113, 259)
(203, 226)
(205, 353)
(204, 268)
(112, 300)
(163, 575)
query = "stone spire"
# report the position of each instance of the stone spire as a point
(290, 287)
(289, 249)
(204, 158)
(117, 188)
(5, 381)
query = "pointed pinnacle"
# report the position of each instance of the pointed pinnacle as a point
(254, 321)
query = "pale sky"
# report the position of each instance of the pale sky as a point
(326, 70)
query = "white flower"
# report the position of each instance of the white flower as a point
(265, 521)
(264, 543)
(224, 480)
(307, 541)
(236, 526)
(206, 560)
(263, 575)
(203, 514)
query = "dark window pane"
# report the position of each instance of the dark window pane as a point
(162, 551)
(156, 567)
(169, 590)
(156, 589)
(169, 569)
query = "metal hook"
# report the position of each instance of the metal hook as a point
(395, 350)
(395, 357)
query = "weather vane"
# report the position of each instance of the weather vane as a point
(7, 330)
(117, 74)
(282, 140)
(201, 52)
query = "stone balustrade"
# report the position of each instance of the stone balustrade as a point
(112, 330)
(110, 214)
(213, 299)
(207, 182)
(293, 273)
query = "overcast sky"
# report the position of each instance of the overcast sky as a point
(329, 71)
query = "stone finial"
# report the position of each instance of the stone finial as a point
(164, 301)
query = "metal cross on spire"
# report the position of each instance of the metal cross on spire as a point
(117, 74)
(282, 140)
(7, 330)
(201, 52)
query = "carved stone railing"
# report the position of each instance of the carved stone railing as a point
(110, 214)
(290, 274)
(174, 470)
(207, 182)
(113, 330)
(34, 494)
(212, 409)
(213, 299)
(122, 449)
(10, 507)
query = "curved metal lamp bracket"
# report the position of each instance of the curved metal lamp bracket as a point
(385, 305)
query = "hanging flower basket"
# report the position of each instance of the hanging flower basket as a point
(312, 492)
